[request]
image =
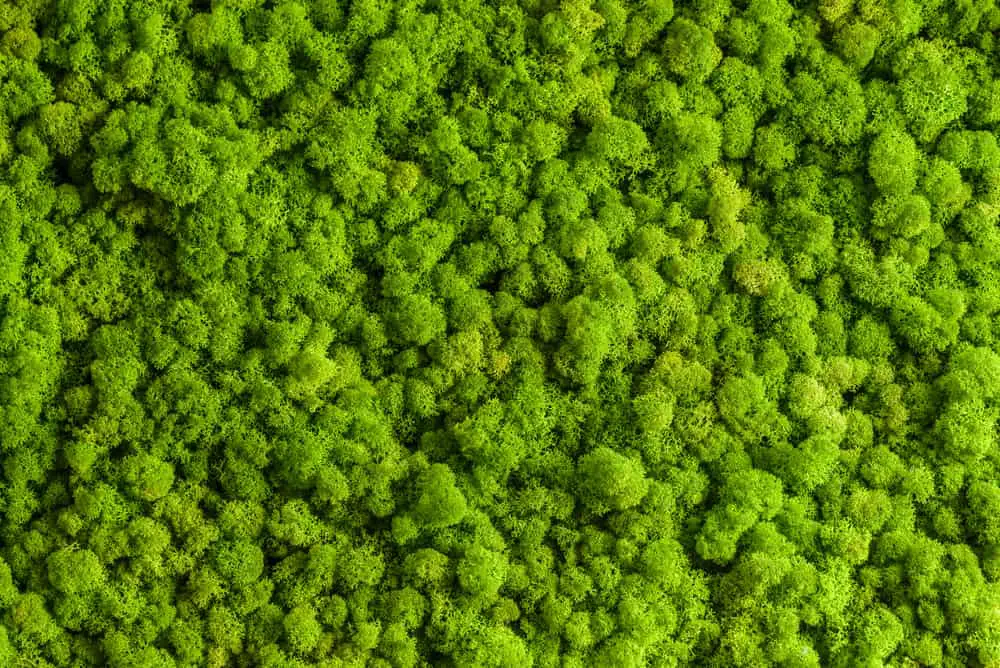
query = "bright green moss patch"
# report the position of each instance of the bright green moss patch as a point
(553, 333)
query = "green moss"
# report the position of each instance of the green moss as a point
(522, 333)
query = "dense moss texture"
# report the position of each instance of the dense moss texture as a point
(554, 333)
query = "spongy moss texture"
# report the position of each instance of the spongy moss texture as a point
(499, 333)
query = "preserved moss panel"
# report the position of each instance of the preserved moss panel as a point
(514, 333)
